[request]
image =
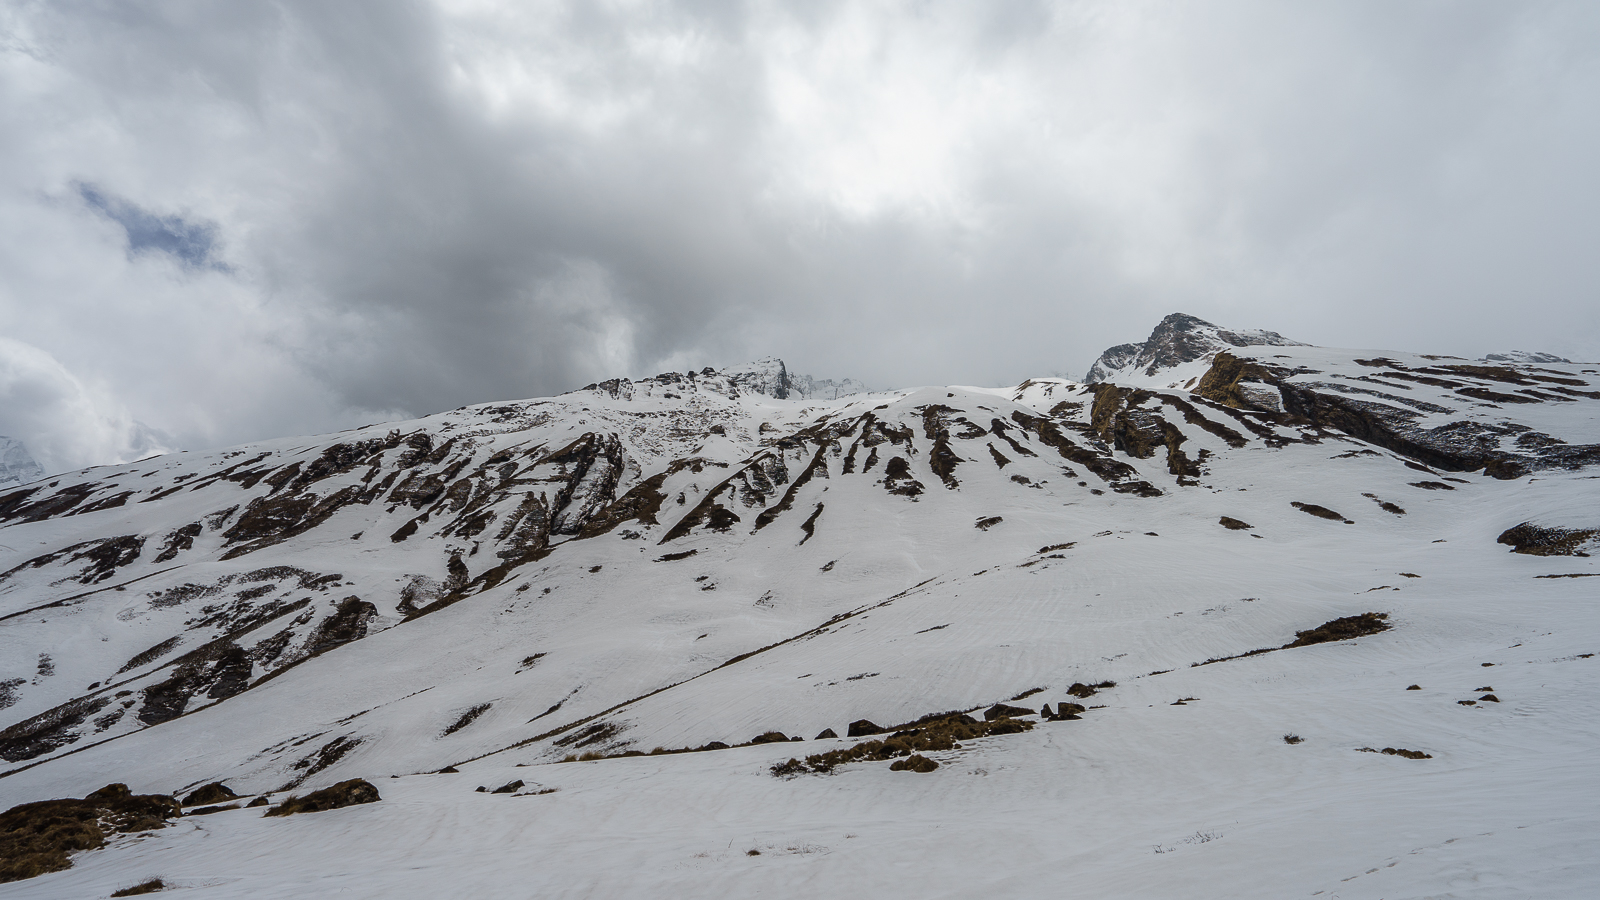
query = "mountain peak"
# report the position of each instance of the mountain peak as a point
(1177, 339)
(17, 466)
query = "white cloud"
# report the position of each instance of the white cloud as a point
(64, 424)
(392, 208)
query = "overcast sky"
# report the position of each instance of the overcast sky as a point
(234, 220)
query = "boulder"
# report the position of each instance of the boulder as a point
(863, 728)
(913, 763)
(1000, 710)
(215, 792)
(345, 793)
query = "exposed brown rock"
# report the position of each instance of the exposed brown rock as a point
(345, 793)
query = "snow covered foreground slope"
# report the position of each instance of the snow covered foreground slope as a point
(678, 561)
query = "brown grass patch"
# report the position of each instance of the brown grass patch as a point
(942, 731)
(1341, 629)
(913, 763)
(1536, 540)
(146, 887)
(1085, 691)
(38, 838)
(345, 793)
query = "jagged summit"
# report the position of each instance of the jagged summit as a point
(1178, 339)
(768, 376)
(771, 377)
(16, 465)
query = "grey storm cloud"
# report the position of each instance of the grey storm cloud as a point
(228, 221)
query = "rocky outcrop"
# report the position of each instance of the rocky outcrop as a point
(345, 793)
(39, 838)
(1178, 339)
(1404, 424)
(768, 376)
(49, 730)
(1523, 357)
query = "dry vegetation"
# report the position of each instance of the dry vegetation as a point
(345, 793)
(37, 838)
(1536, 540)
(1340, 629)
(940, 731)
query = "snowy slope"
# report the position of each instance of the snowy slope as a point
(680, 560)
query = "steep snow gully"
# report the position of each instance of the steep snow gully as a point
(750, 632)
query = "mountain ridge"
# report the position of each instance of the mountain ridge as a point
(1177, 339)
(689, 561)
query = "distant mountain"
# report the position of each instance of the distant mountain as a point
(771, 377)
(16, 465)
(768, 376)
(1177, 340)
(1523, 357)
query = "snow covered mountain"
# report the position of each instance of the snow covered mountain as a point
(1525, 358)
(769, 376)
(708, 559)
(1176, 353)
(16, 465)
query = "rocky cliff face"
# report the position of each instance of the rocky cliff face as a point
(771, 377)
(1452, 414)
(1177, 340)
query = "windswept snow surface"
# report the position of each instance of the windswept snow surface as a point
(710, 564)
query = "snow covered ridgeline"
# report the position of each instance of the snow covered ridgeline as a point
(1179, 341)
(671, 571)
(1505, 421)
(768, 376)
(584, 497)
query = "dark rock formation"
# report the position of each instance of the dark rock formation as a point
(1000, 710)
(1178, 339)
(215, 792)
(38, 838)
(345, 793)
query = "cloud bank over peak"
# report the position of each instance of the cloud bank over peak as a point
(251, 219)
(63, 423)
